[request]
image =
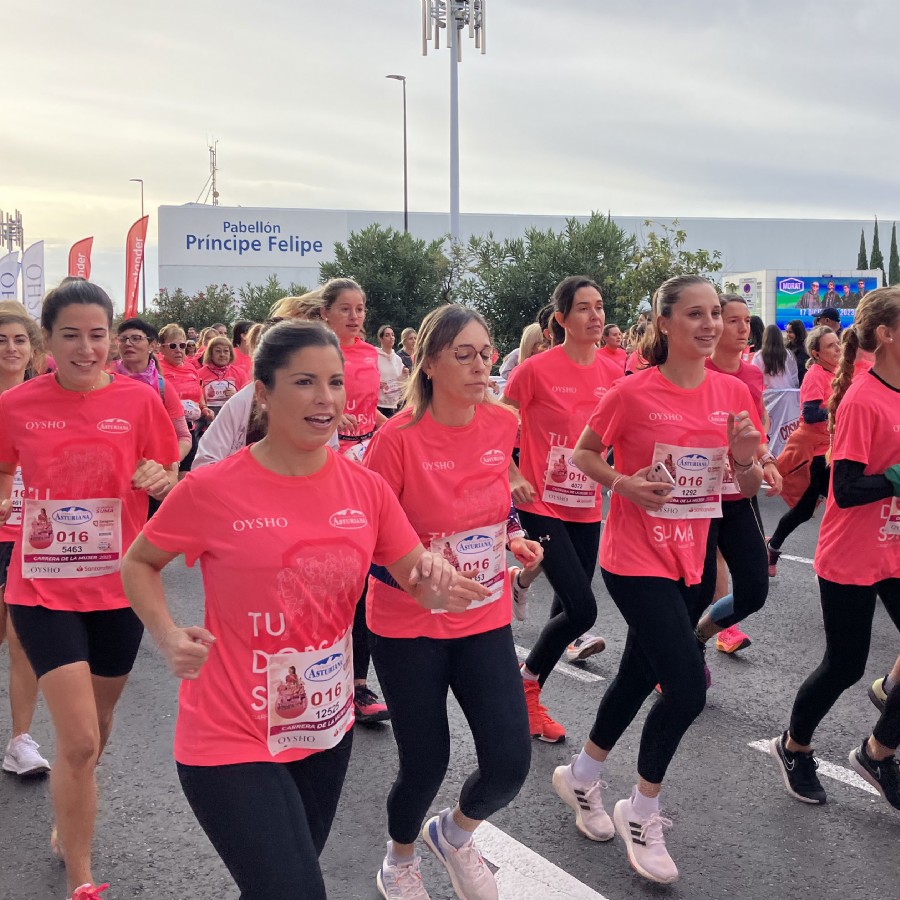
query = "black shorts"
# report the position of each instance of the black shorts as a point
(107, 640)
(6, 549)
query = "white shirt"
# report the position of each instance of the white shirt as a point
(390, 368)
(785, 381)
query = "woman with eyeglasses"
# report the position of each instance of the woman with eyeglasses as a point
(446, 457)
(555, 392)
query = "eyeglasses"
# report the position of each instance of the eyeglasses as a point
(131, 338)
(176, 346)
(465, 354)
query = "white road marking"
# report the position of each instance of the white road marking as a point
(802, 559)
(523, 874)
(565, 668)
(830, 770)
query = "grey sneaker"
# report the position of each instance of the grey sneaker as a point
(22, 757)
(586, 801)
(469, 874)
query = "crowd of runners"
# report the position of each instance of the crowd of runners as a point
(394, 509)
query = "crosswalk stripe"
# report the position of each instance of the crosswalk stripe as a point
(565, 668)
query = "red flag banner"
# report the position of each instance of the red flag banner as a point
(134, 259)
(80, 258)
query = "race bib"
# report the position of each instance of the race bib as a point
(18, 498)
(310, 697)
(191, 410)
(892, 526)
(697, 472)
(392, 391)
(565, 484)
(71, 538)
(478, 550)
(215, 391)
(357, 451)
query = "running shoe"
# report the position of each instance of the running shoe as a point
(798, 771)
(730, 640)
(587, 645)
(877, 694)
(540, 724)
(22, 757)
(89, 892)
(585, 799)
(469, 874)
(519, 595)
(883, 775)
(645, 843)
(401, 882)
(367, 706)
(774, 556)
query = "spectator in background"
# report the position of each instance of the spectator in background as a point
(407, 347)
(219, 328)
(830, 318)
(777, 363)
(241, 344)
(795, 340)
(191, 334)
(757, 327)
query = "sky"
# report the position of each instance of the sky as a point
(660, 109)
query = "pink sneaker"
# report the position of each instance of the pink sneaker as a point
(731, 639)
(367, 706)
(89, 892)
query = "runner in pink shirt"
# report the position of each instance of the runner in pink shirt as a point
(220, 378)
(858, 555)
(91, 446)
(612, 345)
(671, 427)
(446, 456)
(264, 728)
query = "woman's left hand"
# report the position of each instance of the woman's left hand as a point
(442, 587)
(773, 479)
(743, 438)
(529, 553)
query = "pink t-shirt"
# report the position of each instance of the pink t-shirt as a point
(362, 381)
(635, 414)
(555, 397)
(78, 447)
(750, 375)
(853, 547)
(242, 361)
(449, 481)
(185, 378)
(636, 363)
(616, 354)
(215, 380)
(817, 386)
(284, 561)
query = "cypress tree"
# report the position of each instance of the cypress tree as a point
(862, 261)
(894, 266)
(876, 261)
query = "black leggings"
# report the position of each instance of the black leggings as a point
(660, 648)
(740, 538)
(361, 652)
(887, 728)
(269, 821)
(570, 558)
(819, 472)
(847, 610)
(483, 673)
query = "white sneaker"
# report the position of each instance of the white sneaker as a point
(584, 798)
(519, 595)
(645, 844)
(402, 882)
(22, 757)
(587, 645)
(469, 874)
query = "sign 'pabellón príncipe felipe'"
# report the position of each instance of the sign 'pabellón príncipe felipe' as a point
(238, 237)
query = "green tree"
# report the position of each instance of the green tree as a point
(862, 260)
(660, 254)
(256, 300)
(894, 264)
(876, 261)
(215, 304)
(510, 280)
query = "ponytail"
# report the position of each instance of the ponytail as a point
(844, 375)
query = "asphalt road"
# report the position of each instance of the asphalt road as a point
(736, 833)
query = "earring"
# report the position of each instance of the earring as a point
(262, 406)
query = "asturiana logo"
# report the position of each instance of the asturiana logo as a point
(719, 417)
(114, 426)
(493, 458)
(325, 669)
(791, 286)
(693, 462)
(475, 543)
(72, 515)
(348, 518)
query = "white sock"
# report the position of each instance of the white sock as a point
(393, 859)
(456, 836)
(644, 807)
(587, 769)
(527, 675)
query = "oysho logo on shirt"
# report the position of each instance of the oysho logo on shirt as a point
(564, 389)
(475, 543)
(348, 518)
(43, 425)
(261, 522)
(325, 669)
(438, 465)
(114, 426)
(493, 458)
(72, 515)
(665, 417)
(719, 417)
(693, 462)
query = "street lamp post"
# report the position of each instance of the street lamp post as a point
(402, 78)
(144, 256)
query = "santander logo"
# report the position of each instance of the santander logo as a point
(493, 458)
(348, 518)
(114, 426)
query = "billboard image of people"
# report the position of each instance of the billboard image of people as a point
(804, 297)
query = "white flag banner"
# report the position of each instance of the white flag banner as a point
(9, 276)
(783, 408)
(33, 279)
